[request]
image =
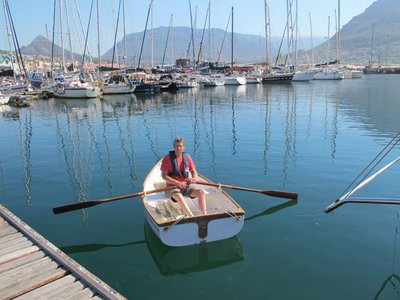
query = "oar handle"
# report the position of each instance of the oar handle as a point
(90, 203)
(272, 193)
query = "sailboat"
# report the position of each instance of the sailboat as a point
(118, 84)
(326, 73)
(234, 79)
(4, 99)
(81, 85)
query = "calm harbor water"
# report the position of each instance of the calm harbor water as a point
(311, 138)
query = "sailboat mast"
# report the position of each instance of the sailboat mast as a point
(52, 41)
(266, 31)
(152, 37)
(69, 33)
(9, 42)
(172, 38)
(372, 45)
(192, 37)
(144, 34)
(338, 35)
(296, 34)
(115, 34)
(288, 29)
(61, 35)
(329, 25)
(209, 29)
(98, 34)
(232, 42)
(312, 45)
(125, 45)
(166, 42)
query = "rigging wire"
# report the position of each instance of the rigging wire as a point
(373, 164)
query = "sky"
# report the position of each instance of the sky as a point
(33, 18)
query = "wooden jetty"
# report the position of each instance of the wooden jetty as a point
(33, 268)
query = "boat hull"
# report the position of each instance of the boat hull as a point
(303, 76)
(115, 89)
(186, 234)
(235, 80)
(284, 77)
(79, 92)
(328, 75)
(224, 217)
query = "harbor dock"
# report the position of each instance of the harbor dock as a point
(33, 268)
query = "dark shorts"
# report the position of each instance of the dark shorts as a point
(185, 192)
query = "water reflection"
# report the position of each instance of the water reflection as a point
(93, 135)
(176, 260)
(26, 131)
(123, 123)
(391, 286)
(190, 259)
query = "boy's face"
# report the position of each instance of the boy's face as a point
(179, 147)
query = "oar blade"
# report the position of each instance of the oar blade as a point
(74, 206)
(280, 194)
(86, 204)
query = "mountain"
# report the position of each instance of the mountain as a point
(376, 31)
(247, 47)
(41, 46)
(357, 42)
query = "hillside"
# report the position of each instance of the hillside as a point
(357, 44)
(247, 47)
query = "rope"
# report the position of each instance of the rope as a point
(229, 213)
(377, 159)
(181, 217)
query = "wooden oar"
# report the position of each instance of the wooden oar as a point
(279, 194)
(86, 204)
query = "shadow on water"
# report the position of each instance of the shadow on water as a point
(188, 259)
(272, 210)
(96, 247)
(177, 260)
(391, 285)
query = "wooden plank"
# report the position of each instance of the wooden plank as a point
(36, 282)
(28, 277)
(21, 261)
(10, 237)
(23, 271)
(4, 224)
(82, 295)
(64, 287)
(85, 276)
(17, 254)
(7, 229)
(15, 245)
(12, 242)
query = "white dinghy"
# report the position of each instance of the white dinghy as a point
(224, 217)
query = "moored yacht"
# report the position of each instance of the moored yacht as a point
(328, 74)
(235, 80)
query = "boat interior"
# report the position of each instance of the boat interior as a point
(164, 211)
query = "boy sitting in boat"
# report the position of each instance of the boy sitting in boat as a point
(178, 169)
